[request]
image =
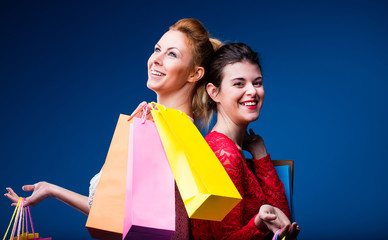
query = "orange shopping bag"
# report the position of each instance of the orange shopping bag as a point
(106, 216)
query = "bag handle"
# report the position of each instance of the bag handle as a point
(154, 106)
(144, 114)
(32, 225)
(18, 219)
(13, 215)
(138, 111)
(276, 235)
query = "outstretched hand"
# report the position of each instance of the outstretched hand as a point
(274, 219)
(254, 144)
(40, 191)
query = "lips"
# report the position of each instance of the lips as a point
(252, 103)
(157, 73)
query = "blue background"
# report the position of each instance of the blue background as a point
(68, 68)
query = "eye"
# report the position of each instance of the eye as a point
(238, 84)
(172, 54)
(156, 49)
(258, 83)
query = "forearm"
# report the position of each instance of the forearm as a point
(271, 184)
(73, 199)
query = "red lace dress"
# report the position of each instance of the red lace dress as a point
(258, 186)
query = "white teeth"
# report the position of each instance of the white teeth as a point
(249, 103)
(156, 73)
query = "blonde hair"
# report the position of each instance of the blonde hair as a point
(203, 48)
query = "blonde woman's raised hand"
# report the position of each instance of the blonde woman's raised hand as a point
(139, 111)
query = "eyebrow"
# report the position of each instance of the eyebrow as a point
(169, 48)
(242, 79)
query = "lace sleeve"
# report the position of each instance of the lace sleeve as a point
(93, 187)
(271, 184)
(234, 225)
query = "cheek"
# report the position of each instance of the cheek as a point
(261, 93)
(178, 72)
(149, 61)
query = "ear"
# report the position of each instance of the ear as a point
(197, 74)
(212, 91)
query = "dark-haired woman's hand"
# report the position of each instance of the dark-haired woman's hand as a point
(274, 219)
(254, 144)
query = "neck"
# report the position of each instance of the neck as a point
(236, 132)
(179, 100)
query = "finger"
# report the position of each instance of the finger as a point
(27, 202)
(294, 231)
(28, 188)
(12, 198)
(11, 192)
(284, 232)
(269, 217)
(141, 105)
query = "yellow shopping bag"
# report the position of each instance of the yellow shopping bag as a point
(206, 189)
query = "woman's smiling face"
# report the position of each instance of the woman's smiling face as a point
(241, 93)
(170, 64)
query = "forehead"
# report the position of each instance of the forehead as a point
(245, 70)
(175, 39)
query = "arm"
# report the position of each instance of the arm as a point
(273, 189)
(268, 178)
(43, 190)
(272, 186)
(235, 225)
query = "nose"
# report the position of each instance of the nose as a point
(250, 90)
(157, 58)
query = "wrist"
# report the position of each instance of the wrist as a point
(259, 155)
(260, 225)
(52, 190)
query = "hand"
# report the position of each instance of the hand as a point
(139, 112)
(274, 219)
(255, 145)
(41, 191)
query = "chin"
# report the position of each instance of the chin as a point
(253, 118)
(151, 85)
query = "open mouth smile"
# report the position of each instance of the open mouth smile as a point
(157, 73)
(250, 104)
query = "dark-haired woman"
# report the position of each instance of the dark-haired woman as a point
(235, 92)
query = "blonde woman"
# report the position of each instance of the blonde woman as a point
(174, 70)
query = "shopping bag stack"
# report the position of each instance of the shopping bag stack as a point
(206, 189)
(20, 219)
(135, 195)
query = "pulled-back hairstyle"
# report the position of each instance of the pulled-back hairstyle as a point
(203, 48)
(227, 54)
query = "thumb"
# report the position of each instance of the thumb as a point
(269, 217)
(28, 188)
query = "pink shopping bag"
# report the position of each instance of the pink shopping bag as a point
(150, 189)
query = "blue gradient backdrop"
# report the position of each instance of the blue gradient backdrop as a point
(68, 68)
